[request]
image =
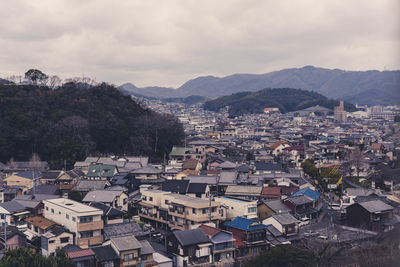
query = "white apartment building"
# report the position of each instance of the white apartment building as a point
(82, 220)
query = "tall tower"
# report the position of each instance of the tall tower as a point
(339, 113)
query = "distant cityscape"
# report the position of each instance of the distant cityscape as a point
(237, 186)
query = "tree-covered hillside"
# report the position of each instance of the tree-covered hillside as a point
(286, 99)
(72, 122)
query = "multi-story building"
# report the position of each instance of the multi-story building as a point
(238, 207)
(339, 113)
(178, 211)
(82, 220)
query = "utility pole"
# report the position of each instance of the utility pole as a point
(209, 208)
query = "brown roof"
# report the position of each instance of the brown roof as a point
(288, 190)
(80, 253)
(40, 222)
(209, 231)
(213, 172)
(190, 172)
(277, 144)
(271, 192)
(190, 164)
(376, 146)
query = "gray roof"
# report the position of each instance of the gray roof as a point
(227, 177)
(243, 189)
(106, 196)
(375, 206)
(128, 242)
(284, 218)
(147, 170)
(277, 206)
(299, 200)
(146, 248)
(121, 229)
(191, 237)
(361, 192)
(12, 206)
(87, 185)
(211, 180)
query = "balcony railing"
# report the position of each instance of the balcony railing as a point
(90, 226)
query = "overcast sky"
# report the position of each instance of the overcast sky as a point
(167, 42)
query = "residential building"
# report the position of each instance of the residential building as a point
(284, 222)
(178, 211)
(238, 207)
(189, 247)
(82, 220)
(55, 238)
(249, 235)
(223, 248)
(114, 198)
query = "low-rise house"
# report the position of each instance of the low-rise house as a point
(50, 177)
(14, 238)
(238, 207)
(189, 247)
(38, 225)
(191, 164)
(13, 213)
(110, 214)
(101, 171)
(85, 186)
(284, 222)
(106, 256)
(269, 192)
(83, 257)
(113, 198)
(223, 249)
(301, 206)
(55, 238)
(244, 191)
(123, 229)
(266, 209)
(249, 235)
(373, 215)
(147, 173)
(127, 248)
(84, 221)
(146, 254)
(23, 179)
(264, 168)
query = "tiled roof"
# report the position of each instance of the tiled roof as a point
(245, 224)
(209, 231)
(40, 222)
(191, 237)
(307, 192)
(271, 192)
(80, 253)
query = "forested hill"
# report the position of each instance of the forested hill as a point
(286, 99)
(72, 122)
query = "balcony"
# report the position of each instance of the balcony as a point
(90, 226)
(89, 241)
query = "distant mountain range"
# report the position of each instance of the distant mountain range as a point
(286, 99)
(361, 87)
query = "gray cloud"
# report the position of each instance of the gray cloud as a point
(167, 42)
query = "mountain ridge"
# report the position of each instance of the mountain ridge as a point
(333, 83)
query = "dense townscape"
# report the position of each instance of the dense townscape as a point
(311, 187)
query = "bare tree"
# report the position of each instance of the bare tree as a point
(11, 165)
(54, 81)
(35, 163)
(356, 158)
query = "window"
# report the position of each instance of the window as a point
(128, 257)
(125, 201)
(194, 211)
(144, 198)
(252, 209)
(64, 239)
(67, 216)
(213, 209)
(150, 198)
(59, 213)
(36, 229)
(166, 201)
(86, 234)
(52, 210)
(47, 208)
(51, 241)
(73, 219)
(108, 264)
(85, 219)
(205, 211)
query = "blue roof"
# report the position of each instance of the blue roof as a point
(307, 192)
(245, 224)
